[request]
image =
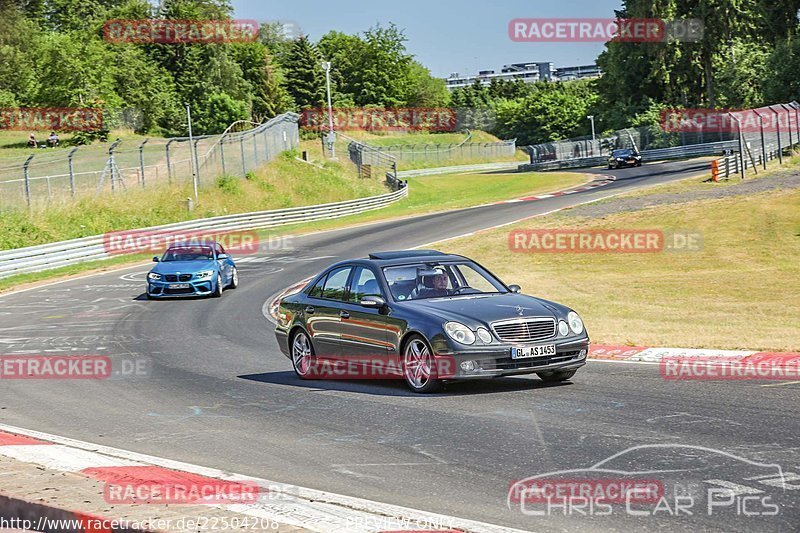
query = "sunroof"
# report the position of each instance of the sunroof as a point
(404, 253)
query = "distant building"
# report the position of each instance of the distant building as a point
(528, 72)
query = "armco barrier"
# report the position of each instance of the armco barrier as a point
(49, 256)
(678, 152)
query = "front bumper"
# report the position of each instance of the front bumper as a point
(496, 361)
(163, 289)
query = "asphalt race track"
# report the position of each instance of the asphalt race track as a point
(218, 393)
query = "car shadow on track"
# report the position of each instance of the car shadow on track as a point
(391, 387)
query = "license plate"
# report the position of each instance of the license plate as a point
(180, 286)
(533, 351)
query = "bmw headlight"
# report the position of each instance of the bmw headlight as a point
(206, 274)
(484, 335)
(563, 328)
(153, 276)
(459, 333)
(575, 323)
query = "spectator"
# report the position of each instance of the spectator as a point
(52, 141)
(32, 141)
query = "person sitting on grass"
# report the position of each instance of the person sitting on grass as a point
(32, 141)
(52, 141)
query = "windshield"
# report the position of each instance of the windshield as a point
(189, 253)
(622, 153)
(422, 281)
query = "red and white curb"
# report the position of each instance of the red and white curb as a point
(310, 509)
(600, 182)
(645, 354)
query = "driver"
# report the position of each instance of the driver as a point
(439, 288)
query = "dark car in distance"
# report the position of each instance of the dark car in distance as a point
(441, 317)
(624, 157)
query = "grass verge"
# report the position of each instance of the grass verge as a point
(739, 292)
(427, 194)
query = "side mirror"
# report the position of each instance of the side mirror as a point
(156, 259)
(516, 289)
(372, 302)
(222, 257)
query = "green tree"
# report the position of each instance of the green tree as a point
(305, 79)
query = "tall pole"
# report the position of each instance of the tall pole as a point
(327, 66)
(191, 152)
(594, 137)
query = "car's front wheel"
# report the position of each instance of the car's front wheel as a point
(302, 355)
(419, 368)
(234, 279)
(554, 377)
(218, 289)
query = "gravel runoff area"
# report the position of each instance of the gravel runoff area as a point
(745, 187)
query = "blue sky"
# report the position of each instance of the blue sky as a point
(445, 35)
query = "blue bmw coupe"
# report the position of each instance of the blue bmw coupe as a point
(197, 269)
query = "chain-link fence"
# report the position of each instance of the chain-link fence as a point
(52, 175)
(369, 161)
(446, 153)
(643, 138)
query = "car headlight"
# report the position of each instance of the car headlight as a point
(563, 328)
(484, 335)
(154, 276)
(206, 274)
(459, 333)
(575, 323)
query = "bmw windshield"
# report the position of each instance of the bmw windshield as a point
(421, 281)
(189, 253)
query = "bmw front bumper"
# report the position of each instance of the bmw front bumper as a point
(178, 289)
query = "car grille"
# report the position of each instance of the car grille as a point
(179, 291)
(525, 329)
(172, 278)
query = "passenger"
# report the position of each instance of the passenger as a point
(32, 141)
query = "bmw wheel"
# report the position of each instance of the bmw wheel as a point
(234, 279)
(218, 289)
(554, 377)
(302, 355)
(419, 369)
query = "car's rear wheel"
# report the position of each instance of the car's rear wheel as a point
(554, 377)
(234, 279)
(419, 369)
(302, 355)
(218, 289)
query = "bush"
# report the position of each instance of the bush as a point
(229, 184)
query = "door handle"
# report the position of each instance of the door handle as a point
(310, 310)
(344, 314)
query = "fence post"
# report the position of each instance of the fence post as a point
(196, 160)
(789, 126)
(141, 162)
(244, 163)
(255, 148)
(741, 144)
(778, 130)
(222, 156)
(27, 180)
(169, 164)
(71, 171)
(763, 141)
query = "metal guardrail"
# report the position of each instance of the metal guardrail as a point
(511, 165)
(55, 255)
(677, 152)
